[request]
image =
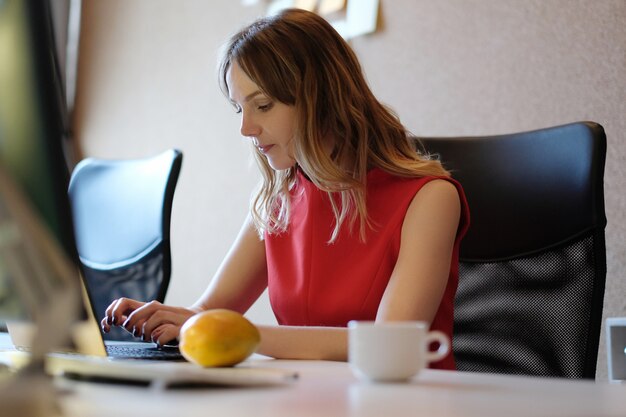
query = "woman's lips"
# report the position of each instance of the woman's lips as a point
(265, 149)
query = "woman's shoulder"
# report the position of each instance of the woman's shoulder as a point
(378, 176)
(433, 188)
(439, 190)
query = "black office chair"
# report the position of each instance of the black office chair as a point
(122, 211)
(533, 263)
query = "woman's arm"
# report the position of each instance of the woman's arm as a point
(300, 342)
(420, 276)
(242, 276)
(415, 288)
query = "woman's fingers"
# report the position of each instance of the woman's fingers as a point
(104, 324)
(117, 312)
(145, 319)
(173, 316)
(165, 334)
(141, 314)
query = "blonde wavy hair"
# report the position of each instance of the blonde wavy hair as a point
(297, 58)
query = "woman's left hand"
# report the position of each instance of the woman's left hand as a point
(157, 322)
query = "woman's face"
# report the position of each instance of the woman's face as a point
(269, 123)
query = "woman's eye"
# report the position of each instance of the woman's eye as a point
(265, 107)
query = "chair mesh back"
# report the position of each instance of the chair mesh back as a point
(528, 315)
(140, 281)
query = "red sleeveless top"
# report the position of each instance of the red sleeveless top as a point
(315, 283)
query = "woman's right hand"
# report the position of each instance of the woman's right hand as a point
(118, 311)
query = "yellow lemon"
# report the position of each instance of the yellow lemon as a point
(218, 337)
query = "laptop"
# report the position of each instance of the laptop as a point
(87, 339)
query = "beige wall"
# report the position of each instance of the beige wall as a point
(448, 67)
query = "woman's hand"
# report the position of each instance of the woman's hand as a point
(151, 321)
(118, 311)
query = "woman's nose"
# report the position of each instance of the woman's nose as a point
(248, 127)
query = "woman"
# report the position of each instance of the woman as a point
(350, 222)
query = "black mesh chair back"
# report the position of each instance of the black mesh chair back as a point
(122, 211)
(533, 263)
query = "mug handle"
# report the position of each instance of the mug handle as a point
(444, 346)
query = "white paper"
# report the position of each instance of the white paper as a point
(362, 16)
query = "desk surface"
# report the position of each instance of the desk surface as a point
(329, 389)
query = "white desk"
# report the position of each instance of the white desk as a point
(327, 389)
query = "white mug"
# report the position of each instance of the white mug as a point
(392, 351)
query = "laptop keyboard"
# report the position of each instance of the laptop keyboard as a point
(138, 352)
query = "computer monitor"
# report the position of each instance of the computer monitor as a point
(36, 233)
